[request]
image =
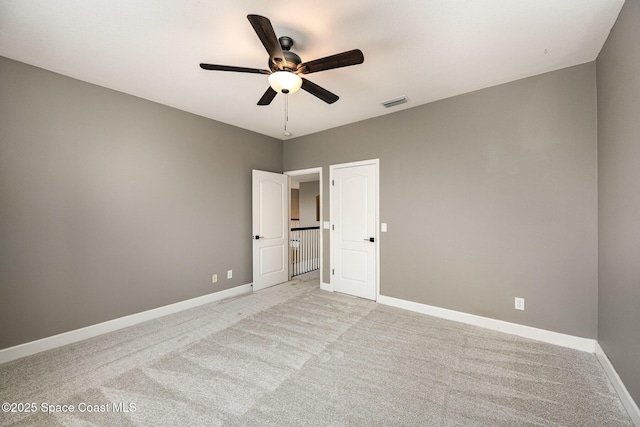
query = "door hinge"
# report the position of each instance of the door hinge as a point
(333, 183)
(333, 272)
(333, 227)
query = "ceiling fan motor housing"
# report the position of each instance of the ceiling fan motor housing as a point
(291, 59)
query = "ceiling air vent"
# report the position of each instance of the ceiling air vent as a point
(395, 101)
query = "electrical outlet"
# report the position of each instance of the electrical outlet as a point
(229, 274)
(519, 303)
(214, 278)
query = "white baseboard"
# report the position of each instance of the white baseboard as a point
(33, 347)
(326, 287)
(628, 402)
(570, 341)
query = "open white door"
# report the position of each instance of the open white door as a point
(270, 205)
(354, 195)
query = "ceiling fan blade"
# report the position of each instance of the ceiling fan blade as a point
(268, 96)
(319, 91)
(263, 28)
(344, 59)
(215, 67)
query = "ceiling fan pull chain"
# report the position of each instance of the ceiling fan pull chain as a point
(286, 133)
(286, 112)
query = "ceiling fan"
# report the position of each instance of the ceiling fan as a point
(286, 68)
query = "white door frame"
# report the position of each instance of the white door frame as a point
(375, 162)
(317, 170)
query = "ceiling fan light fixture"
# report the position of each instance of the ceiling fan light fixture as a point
(285, 82)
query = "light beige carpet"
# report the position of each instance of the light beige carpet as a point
(293, 355)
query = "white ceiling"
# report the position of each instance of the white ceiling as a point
(424, 49)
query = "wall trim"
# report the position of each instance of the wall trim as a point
(48, 343)
(326, 286)
(628, 402)
(570, 341)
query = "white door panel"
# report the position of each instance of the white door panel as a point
(271, 260)
(271, 212)
(354, 265)
(354, 208)
(270, 201)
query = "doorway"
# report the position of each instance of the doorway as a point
(306, 222)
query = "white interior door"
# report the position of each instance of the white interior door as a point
(270, 205)
(354, 226)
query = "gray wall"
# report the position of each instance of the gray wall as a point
(618, 77)
(308, 193)
(111, 205)
(488, 196)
